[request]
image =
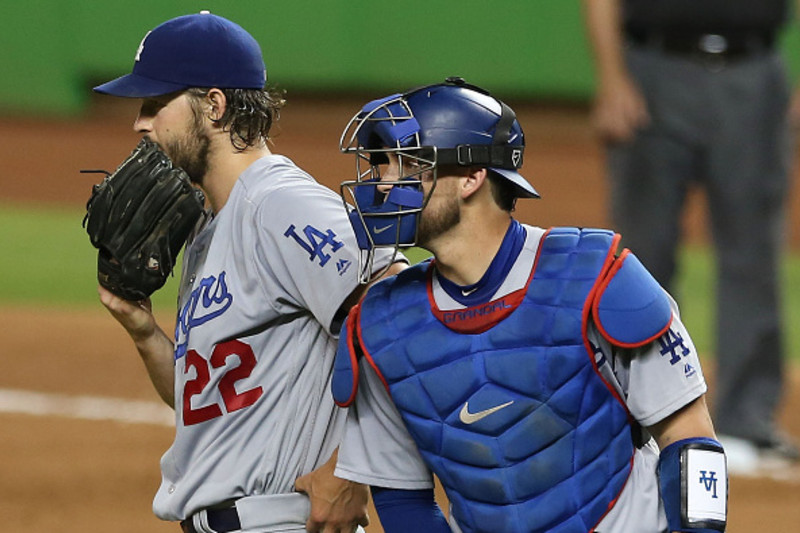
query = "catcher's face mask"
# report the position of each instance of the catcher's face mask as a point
(385, 200)
(446, 124)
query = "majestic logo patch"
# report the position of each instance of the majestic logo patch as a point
(470, 418)
(342, 265)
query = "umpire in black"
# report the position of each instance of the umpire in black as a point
(696, 93)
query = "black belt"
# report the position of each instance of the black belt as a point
(220, 520)
(724, 45)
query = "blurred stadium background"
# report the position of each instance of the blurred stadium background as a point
(66, 470)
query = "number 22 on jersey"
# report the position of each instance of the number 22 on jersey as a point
(232, 400)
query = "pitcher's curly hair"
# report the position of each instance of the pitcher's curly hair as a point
(249, 113)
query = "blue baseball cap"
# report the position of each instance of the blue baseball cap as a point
(199, 50)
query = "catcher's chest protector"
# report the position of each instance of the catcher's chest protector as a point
(516, 422)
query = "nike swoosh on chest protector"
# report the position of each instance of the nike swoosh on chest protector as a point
(470, 418)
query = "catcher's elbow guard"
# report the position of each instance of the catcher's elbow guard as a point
(693, 478)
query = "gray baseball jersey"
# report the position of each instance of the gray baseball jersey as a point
(655, 381)
(257, 319)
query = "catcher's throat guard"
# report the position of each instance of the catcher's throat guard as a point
(139, 218)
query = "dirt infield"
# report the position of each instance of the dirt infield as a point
(77, 475)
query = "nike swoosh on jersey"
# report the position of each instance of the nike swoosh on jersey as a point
(381, 230)
(467, 293)
(470, 418)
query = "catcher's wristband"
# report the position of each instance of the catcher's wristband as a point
(693, 477)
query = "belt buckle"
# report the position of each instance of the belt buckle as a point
(712, 48)
(712, 43)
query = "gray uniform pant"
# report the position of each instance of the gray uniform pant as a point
(724, 127)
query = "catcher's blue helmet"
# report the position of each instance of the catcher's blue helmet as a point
(450, 123)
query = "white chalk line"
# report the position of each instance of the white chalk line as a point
(85, 407)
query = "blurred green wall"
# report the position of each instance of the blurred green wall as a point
(53, 51)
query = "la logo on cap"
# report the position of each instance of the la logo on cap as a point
(200, 50)
(141, 46)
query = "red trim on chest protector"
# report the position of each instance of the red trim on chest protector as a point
(363, 346)
(617, 265)
(587, 309)
(482, 317)
(350, 328)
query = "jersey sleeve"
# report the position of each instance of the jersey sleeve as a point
(376, 448)
(657, 379)
(309, 249)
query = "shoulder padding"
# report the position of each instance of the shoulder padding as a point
(377, 302)
(344, 383)
(630, 308)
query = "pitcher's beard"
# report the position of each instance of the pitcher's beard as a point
(191, 152)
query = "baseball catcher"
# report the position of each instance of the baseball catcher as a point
(543, 375)
(138, 218)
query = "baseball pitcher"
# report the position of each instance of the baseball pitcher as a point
(267, 277)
